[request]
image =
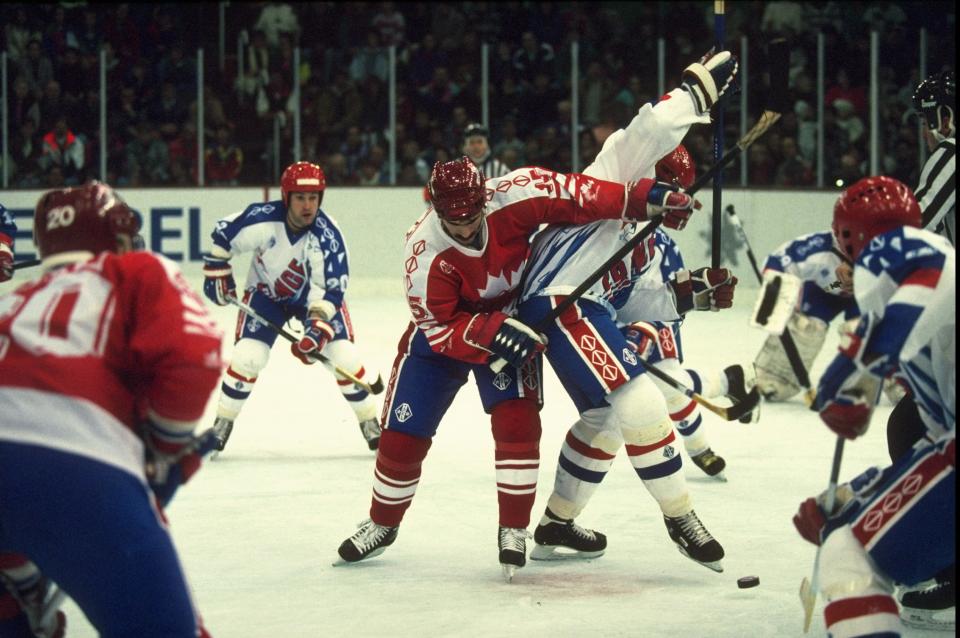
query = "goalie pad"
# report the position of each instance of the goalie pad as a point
(775, 376)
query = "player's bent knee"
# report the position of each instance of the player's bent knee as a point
(845, 568)
(516, 420)
(249, 357)
(639, 410)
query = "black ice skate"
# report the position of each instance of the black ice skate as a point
(369, 541)
(221, 428)
(711, 464)
(512, 542)
(694, 541)
(560, 540)
(370, 429)
(739, 379)
(931, 604)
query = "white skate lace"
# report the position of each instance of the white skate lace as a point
(514, 538)
(369, 535)
(582, 532)
(694, 529)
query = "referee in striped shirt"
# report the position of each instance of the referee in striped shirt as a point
(935, 100)
(477, 147)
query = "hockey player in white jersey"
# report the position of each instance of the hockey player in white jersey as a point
(299, 270)
(897, 524)
(618, 403)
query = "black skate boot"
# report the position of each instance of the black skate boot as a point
(711, 464)
(369, 541)
(512, 542)
(742, 390)
(221, 428)
(370, 429)
(560, 539)
(694, 541)
(931, 604)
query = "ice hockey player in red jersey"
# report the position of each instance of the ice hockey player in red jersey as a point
(108, 361)
(462, 267)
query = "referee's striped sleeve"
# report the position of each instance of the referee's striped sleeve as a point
(936, 193)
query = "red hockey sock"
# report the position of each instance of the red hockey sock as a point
(396, 476)
(516, 434)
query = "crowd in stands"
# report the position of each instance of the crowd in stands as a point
(53, 61)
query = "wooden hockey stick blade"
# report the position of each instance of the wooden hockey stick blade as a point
(808, 598)
(319, 357)
(26, 263)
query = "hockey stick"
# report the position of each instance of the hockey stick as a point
(732, 413)
(779, 53)
(809, 587)
(26, 263)
(786, 339)
(316, 355)
(767, 120)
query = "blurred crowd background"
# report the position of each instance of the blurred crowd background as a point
(53, 85)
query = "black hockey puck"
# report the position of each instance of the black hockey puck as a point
(748, 581)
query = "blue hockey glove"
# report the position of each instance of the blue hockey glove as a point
(649, 199)
(169, 465)
(850, 386)
(218, 283)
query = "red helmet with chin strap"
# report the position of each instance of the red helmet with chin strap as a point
(457, 189)
(302, 177)
(871, 207)
(677, 167)
(84, 218)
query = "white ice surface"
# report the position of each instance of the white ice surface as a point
(258, 529)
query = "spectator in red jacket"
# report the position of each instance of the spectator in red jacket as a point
(223, 161)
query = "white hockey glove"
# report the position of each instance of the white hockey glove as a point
(711, 80)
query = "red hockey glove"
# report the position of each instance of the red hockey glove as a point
(6, 258)
(703, 289)
(317, 333)
(648, 199)
(812, 519)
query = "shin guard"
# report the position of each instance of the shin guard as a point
(585, 458)
(516, 435)
(396, 476)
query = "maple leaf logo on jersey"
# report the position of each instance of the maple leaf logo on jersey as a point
(502, 283)
(589, 190)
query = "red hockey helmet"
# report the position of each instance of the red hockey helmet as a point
(870, 207)
(456, 189)
(302, 177)
(87, 218)
(677, 167)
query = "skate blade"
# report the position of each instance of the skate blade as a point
(556, 552)
(508, 571)
(935, 619)
(342, 561)
(716, 565)
(808, 598)
(214, 455)
(719, 476)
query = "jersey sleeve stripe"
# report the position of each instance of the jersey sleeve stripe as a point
(927, 277)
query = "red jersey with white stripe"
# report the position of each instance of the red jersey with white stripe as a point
(447, 283)
(88, 348)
